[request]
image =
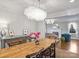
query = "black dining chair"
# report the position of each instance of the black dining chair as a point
(36, 55)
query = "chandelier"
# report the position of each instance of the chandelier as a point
(49, 21)
(35, 13)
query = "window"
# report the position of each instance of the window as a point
(72, 27)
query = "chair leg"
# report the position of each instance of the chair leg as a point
(54, 51)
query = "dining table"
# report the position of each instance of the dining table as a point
(22, 50)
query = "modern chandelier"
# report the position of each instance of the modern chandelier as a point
(35, 13)
(49, 21)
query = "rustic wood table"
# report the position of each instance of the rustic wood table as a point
(22, 50)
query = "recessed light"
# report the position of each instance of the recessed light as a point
(71, 1)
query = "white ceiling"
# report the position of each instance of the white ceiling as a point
(16, 7)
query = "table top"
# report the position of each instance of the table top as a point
(20, 51)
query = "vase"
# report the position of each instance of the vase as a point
(37, 42)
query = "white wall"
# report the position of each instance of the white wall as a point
(19, 25)
(41, 28)
(17, 22)
(63, 26)
(16, 19)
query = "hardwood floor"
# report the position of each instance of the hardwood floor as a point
(72, 46)
(68, 49)
(62, 53)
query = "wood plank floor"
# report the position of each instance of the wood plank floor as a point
(62, 53)
(72, 46)
(68, 49)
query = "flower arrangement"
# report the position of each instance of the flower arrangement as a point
(36, 35)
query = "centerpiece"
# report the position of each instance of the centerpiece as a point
(36, 35)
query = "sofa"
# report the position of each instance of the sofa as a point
(67, 37)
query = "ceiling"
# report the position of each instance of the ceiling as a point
(16, 7)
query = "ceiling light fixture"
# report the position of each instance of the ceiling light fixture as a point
(35, 13)
(50, 21)
(71, 1)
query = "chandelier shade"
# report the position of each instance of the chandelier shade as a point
(35, 13)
